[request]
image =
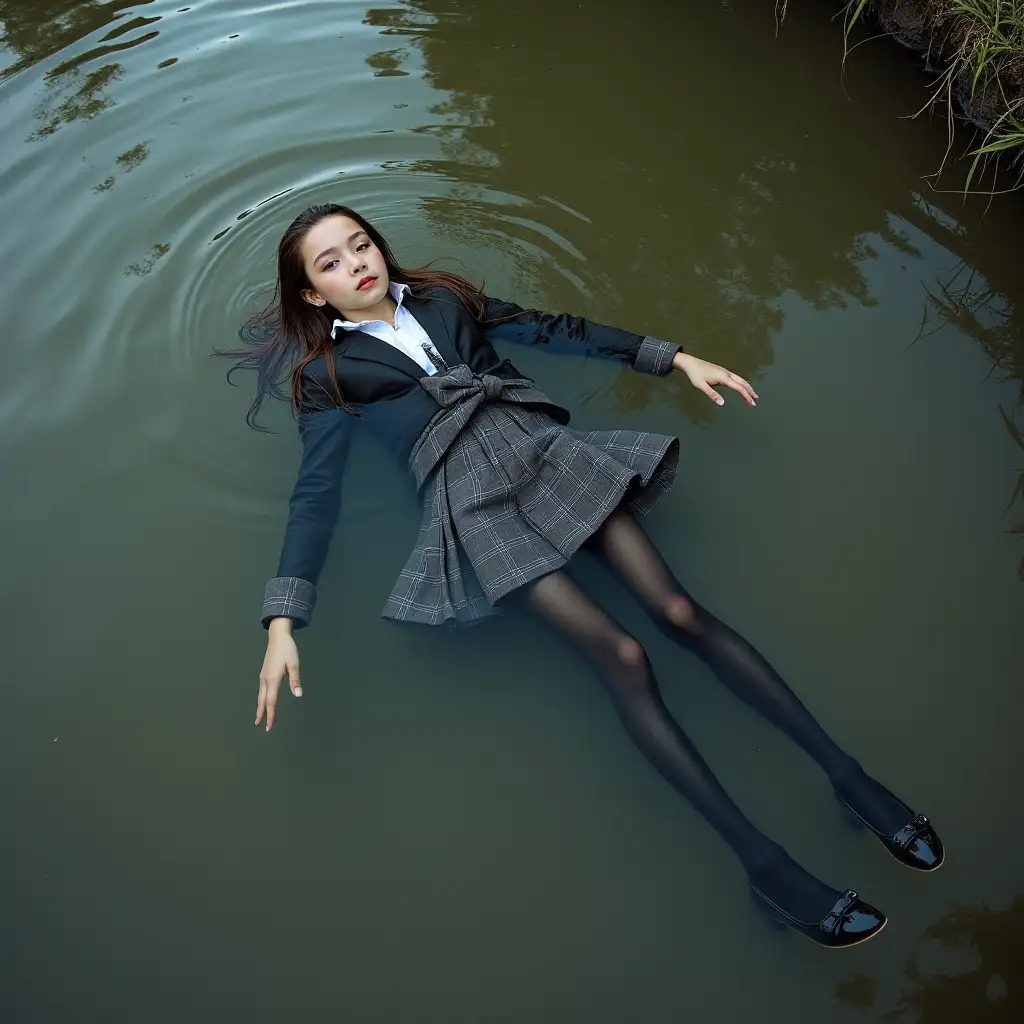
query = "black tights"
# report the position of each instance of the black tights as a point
(624, 669)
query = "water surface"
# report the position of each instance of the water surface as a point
(456, 829)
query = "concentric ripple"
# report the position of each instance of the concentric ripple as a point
(186, 138)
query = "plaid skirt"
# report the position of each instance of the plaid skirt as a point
(511, 493)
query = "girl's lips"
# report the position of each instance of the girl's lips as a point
(366, 282)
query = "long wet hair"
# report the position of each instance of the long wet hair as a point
(283, 339)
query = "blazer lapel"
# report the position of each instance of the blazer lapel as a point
(430, 315)
(359, 345)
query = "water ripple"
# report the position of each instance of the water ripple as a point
(225, 280)
(165, 217)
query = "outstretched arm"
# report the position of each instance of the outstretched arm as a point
(572, 335)
(562, 333)
(313, 511)
(312, 514)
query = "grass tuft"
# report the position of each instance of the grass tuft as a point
(982, 43)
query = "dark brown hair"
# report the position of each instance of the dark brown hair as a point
(282, 340)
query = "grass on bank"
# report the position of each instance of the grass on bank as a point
(983, 43)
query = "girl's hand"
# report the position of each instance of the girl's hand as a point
(282, 657)
(704, 375)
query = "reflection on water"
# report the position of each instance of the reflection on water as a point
(857, 990)
(720, 256)
(964, 299)
(72, 96)
(1017, 497)
(480, 842)
(139, 268)
(130, 25)
(403, 21)
(990, 991)
(387, 62)
(126, 161)
(102, 51)
(131, 158)
(724, 273)
(35, 31)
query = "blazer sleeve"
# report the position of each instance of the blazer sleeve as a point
(312, 513)
(565, 334)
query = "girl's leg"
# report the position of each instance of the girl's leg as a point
(624, 546)
(626, 673)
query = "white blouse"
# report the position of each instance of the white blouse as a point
(407, 335)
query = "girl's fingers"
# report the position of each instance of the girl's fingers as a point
(742, 387)
(267, 703)
(261, 701)
(293, 678)
(711, 393)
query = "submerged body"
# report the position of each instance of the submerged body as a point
(402, 401)
(510, 495)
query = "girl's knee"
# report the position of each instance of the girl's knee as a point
(630, 670)
(682, 613)
(629, 653)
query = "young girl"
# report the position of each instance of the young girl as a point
(510, 494)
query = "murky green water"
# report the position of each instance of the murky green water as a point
(415, 843)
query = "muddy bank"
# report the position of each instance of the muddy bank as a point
(977, 55)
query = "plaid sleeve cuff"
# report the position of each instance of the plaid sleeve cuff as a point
(655, 356)
(290, 596)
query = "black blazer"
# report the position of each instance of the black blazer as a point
(383, 384)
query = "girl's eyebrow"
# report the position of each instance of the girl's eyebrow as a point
(333, 249)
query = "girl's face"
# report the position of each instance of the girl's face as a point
(343, 266)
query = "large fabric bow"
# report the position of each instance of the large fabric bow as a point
(459, 393)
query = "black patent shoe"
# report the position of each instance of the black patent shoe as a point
(917, 844)
(850, 922)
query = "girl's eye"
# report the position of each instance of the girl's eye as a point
(328, 265)
(362, 245)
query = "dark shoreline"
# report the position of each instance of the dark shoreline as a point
(948, 40)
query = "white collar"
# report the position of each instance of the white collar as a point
(397, 291)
